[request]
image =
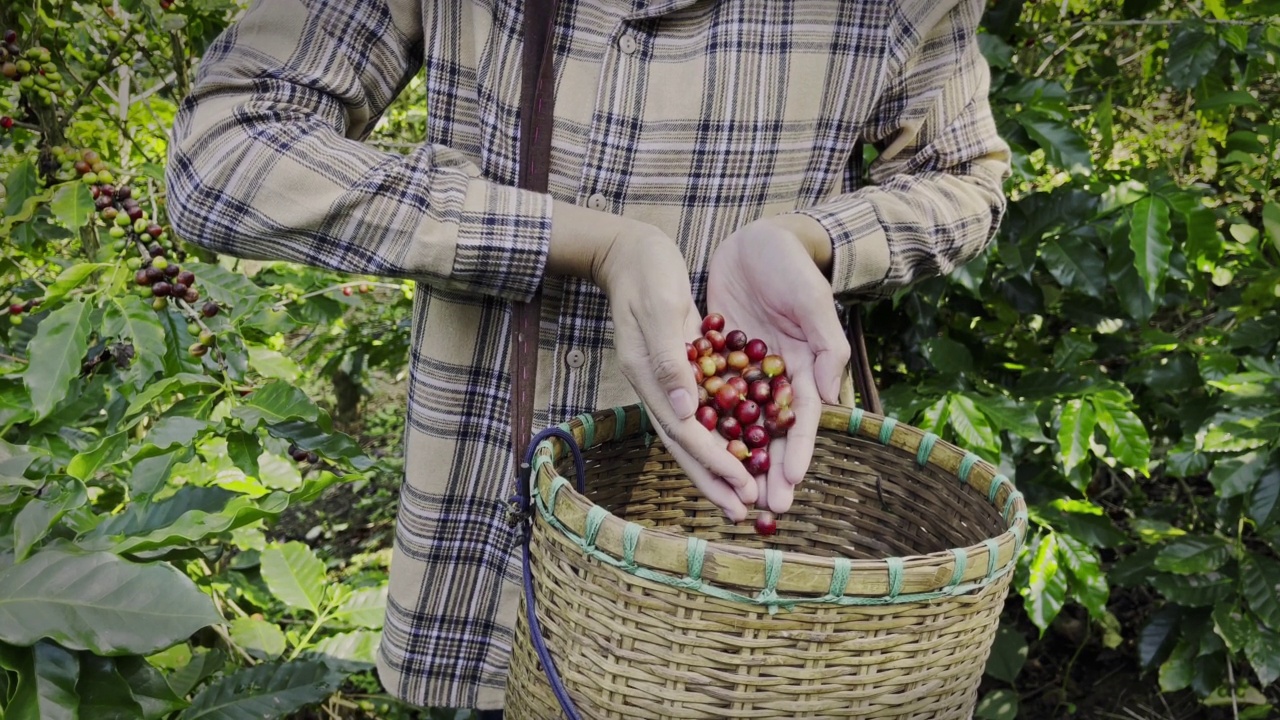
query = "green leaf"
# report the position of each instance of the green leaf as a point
(37, 516)
(1233, 476)
(149, 475)
(1008, 655)
(1204, 242)
(70, 279)
(1260, 585)
(1194, 555)
(997, 705)
(61, 341)
(1130, 443)
(1076, 264)
(169, 432)
(331, 445)
(140, 518)
(1191, 55)
(1072, 349)
(1230, 98)
(1149, 239)
(129, 317)
(197, 525)
(22, 183)
(1158, 635)
(1063, 145)
(1046, 592)
(971, 425)
(244, 449)
(1075, 429)
(104, 694)
(72, 205)
(1263, 652)
(276, 402)
(265, 692)
(106, 452)
(1088, 582)
(271, 364)
(1015, 416)
(1237, 429)
(202, 665)
(100, 602)
(1266, 493)
(231, 289)
(148, 687)
(1271, 223)
(46, 688)
(1104, 118)
(347, 652)
(1233, 626)
(366, 608)
(295, 575)
(1176, 672)
(1194, 590)
(262, 639)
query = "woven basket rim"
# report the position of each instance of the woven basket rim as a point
(918, 576)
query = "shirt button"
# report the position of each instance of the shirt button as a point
(575, 359)
(627, 44)
(596, 202)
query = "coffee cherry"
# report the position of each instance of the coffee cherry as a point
(364, 288)
(197, 350)
(753, 374)
(210, 309)
(760, 392)
(186, 277)
(716, 338)
(297, 453)
(9, 70)
(703, 346)
(698, 377)
(783, 395)
(161, 289)
(735, 340)
(729, 427)
(6, 122)
(154, 275)
(141, 277)
(108, 190)
(766, 523)
(124, 193)
(191, 295)
(154, 230)
(15, 319)
(747, 412)
(207, 338)
(171, 270)
(15, 309)
(691, 351)
(720, 362)
(313, 458)
(737, 360)
(135, 213)
(103, 202)
(159, 303)
(177, 289)
(713, 385)
(738, 449)
(346, 290)
(727, 398)
(756, 350)
(156, 251)
(121, 220)
(193, 329)
(755, 436)
(773, 365)
(707, 416)
(10, 36)
(109, 213)
(704, 397)
(708, 366)
(738, 384)
(758, 463)
(714, 321)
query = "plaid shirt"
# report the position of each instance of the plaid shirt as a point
(695, 116)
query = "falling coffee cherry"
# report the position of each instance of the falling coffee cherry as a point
(766, 523)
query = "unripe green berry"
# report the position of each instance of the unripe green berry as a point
(15, 319)
(116, 231)
(159, 303)
(140, 226)
(89, 178)
(159, 263)
(145, 291)
(193, 328)
(122, 219)
(207, 338)
(133, 263)
(105, 177)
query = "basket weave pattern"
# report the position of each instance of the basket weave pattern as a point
(643, 622)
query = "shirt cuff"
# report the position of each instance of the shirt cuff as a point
(503, 237)
(859, 247)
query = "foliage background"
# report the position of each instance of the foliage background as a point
(1114, 351)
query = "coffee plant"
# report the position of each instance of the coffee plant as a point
(185, 449)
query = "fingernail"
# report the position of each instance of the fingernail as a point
(681, 402)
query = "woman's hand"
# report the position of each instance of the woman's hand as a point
(765, 280)
(647, 282)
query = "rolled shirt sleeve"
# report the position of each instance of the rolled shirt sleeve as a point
(937, 196)
(267, 158)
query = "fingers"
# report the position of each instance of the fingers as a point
(830, 347)
(807, 406)
(720, 493)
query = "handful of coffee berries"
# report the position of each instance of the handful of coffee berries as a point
(744, 394)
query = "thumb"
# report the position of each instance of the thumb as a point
(826, 338)
(671, 370)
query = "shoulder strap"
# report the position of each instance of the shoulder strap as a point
(537, 103)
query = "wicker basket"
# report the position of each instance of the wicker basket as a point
(863, 605)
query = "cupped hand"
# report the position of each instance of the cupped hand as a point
(647, 283)
(764, 280)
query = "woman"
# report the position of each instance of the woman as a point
(704, 158)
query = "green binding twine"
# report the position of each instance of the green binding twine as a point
(886, 430)
(926, 449)
(966, 466)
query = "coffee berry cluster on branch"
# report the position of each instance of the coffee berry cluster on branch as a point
(744, 394)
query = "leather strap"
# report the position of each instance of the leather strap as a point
(537, 104)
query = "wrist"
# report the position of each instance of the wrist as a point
(812, 235)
